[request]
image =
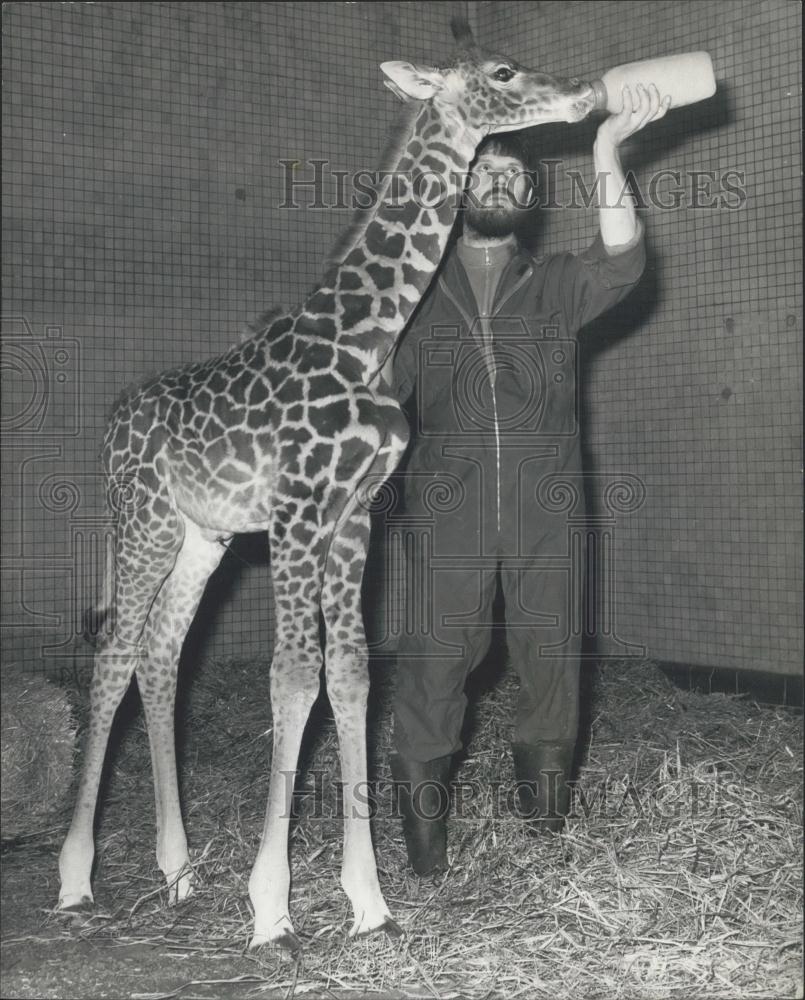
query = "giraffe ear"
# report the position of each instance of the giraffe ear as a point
(411, 82)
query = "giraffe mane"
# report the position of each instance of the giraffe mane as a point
(462, 33)
(395, 145)
(260, 323)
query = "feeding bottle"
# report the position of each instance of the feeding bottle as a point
(685, 78)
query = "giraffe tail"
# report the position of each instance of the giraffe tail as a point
(94, 619)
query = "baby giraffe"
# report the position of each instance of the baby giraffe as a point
(286, 433)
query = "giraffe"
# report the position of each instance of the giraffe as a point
(283, 433)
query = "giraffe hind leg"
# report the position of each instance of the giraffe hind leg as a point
(141, 568)
(170, 618)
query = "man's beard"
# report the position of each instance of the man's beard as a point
(494, 221)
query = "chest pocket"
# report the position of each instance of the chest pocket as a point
(454, 389)
(535, 381)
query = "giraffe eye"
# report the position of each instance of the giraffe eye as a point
(504, 74)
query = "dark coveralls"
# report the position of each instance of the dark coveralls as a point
(496, 413)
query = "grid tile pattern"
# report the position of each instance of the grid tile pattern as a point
(142, 185)
(143, 224)
(693, 385)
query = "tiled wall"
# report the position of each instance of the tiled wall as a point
(142, 225)
(693, 387)
(142, 187)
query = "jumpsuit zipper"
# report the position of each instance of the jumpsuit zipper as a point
(486, 333)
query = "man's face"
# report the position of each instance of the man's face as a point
(498, 195)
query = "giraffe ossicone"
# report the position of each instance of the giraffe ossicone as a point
(277, 435)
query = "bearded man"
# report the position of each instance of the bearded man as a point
(489, 362)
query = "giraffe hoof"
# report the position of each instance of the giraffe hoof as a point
(180, 889)
(287, 941)
(76, 904)
(389, 926)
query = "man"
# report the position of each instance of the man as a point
(489, 359)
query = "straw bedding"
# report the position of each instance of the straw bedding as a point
(38, 746)
(679, 873)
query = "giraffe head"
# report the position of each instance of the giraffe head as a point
(490, 92)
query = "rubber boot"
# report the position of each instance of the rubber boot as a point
(423, 795)
(542, 772)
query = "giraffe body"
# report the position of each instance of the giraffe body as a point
(284, 433)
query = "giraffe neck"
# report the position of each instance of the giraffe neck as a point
(366, 299)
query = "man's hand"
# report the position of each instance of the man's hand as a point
(617, 216)
(633, 117)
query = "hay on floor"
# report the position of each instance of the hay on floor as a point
(679, 872)
(38, 749)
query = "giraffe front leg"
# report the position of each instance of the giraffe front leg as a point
(348, 689)
(297, 565)
(348, 686)
(294, 688)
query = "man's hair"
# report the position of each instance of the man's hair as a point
(505, 144)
